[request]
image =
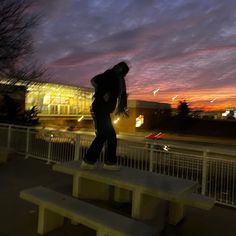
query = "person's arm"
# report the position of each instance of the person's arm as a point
(122, 99)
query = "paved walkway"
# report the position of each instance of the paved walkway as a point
(19, 218)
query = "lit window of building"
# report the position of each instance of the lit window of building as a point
(230, 113)
(56, 100)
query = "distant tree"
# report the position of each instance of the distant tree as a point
(183, 120)
(16, 24)
(183, 109)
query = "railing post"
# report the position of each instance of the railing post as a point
(204, 172)
(151, 157)
(9, 137)
(27, 144)
(49, 151)
(77, 147)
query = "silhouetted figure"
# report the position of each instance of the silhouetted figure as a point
(110, 95)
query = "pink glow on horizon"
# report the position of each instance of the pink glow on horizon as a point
(185, 48)
(197, 100)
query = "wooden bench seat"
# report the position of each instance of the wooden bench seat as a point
(54, 206)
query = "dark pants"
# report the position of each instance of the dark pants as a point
(105, 133)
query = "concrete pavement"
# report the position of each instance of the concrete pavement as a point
(19, 218)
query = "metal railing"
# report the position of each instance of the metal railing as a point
(216, 176)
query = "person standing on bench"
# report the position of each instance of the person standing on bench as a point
(110, 95)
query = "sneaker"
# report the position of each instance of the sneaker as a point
(111, 167)
(86, 166)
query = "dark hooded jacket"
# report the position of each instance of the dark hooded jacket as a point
(108, 83)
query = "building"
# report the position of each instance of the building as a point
(229, 114)
(60, 105)
(143, 115)
(63, 106)
(69, 106)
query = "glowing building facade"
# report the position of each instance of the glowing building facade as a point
(60, 105)
(63, 106)
(59, 100)
(57, 104)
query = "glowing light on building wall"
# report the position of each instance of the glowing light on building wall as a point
(139, 121)
(116, 120)
(46, 99)
(80, 119)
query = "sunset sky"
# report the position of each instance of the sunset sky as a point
(177, 49)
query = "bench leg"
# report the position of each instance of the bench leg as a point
(136, 205)
(48, 220)
(122, 195)
(3, 156)
(101, 233)
(151, 209)
(89, 189)
(75, 191)
(176, 213)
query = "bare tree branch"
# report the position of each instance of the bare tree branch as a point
(16, 24)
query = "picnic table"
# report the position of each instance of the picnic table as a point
(156, 200)
(154, 197)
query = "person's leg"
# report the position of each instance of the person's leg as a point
(101, 127)
(110, 157)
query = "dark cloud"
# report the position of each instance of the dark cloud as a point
(174, 45)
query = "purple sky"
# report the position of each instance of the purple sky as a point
(184, 48)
